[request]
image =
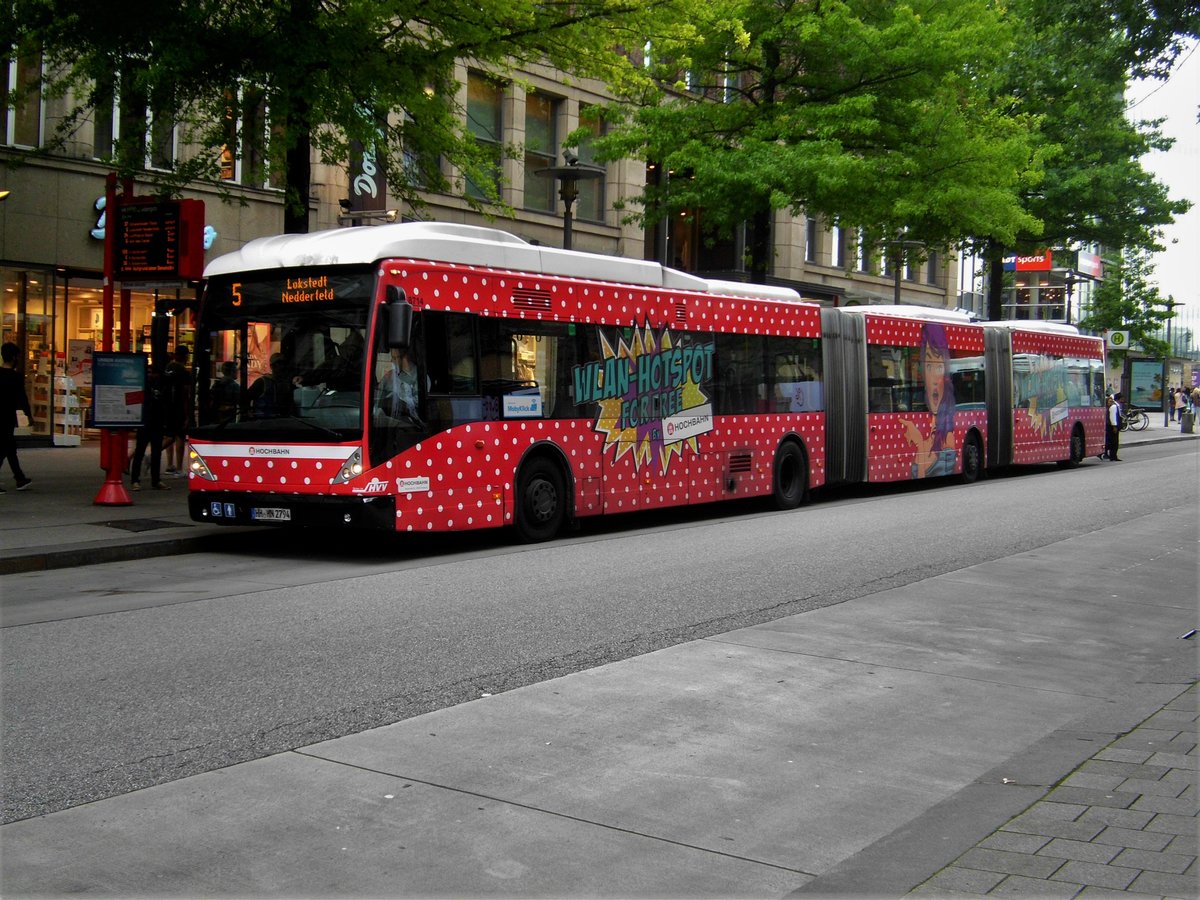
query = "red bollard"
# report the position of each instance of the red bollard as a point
(113, 448)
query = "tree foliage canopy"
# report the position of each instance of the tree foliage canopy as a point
(870, 112)
(331, 72)
(1128, 299)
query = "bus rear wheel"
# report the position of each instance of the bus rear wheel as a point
(790, 477)
(541, 508)
(972, 460)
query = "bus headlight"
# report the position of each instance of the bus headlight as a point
(197, 466)
(351, 468)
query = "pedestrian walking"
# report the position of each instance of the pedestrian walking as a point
(13, 400)
(177, 390)
(1180, 399)
(1112, 432)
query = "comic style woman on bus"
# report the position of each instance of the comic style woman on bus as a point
(936, 454)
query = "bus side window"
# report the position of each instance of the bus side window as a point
(450, 353)
(741, 374)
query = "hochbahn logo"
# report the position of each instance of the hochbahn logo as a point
(650, 396)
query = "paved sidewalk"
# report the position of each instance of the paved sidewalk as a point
(1125, 821)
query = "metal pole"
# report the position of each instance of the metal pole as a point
(566, 224)
(897, 262)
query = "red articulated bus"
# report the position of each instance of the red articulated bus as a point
(434, 377)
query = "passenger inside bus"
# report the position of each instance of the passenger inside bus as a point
(271, 394)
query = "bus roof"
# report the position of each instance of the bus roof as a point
(466, 245)
(1036, 325)
(903, 311)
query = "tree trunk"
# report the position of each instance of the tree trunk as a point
(299, 175)
(759, 247)
(995, 297)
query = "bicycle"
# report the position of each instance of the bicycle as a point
(1135, 419)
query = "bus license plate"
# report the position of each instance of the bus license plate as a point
(271, 514)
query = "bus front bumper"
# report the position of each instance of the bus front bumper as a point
(240, 508)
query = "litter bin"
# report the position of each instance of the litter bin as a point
(1187, 423)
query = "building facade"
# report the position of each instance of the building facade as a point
(52, 225)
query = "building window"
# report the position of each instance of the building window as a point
(244, 151)
(485, 122)
(591, 204)
(162, 137)
(810, 240)
(931, 274)
(104, 117)
(541, 150)
(838, 236)
(23, 120)
(865, 251)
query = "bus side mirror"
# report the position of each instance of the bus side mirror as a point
(399, 318)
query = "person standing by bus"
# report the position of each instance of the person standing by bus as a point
(1112, 431)
(150, 435)
(177, 387)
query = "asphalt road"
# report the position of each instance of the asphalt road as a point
(120, 676)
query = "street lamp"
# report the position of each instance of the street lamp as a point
(900, 246)
(1170, 305)
(569, 176)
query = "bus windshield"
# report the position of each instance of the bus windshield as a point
(283, 356)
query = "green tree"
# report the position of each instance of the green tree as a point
(1128, 299)
(330, 72)
(873, 113)
(1076, 61)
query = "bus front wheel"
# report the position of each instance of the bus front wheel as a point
(541, 507)
(1077, 451)
(791, 477)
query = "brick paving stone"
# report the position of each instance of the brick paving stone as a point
(1176, 806)
(1149, 739)
(1030, 843)
(1094, 780)
(1176, 760)
(1173, 824)
(1060, 848)
(1091, 892)
(959, 879)
(1118, 755)
(1136, 840)
(1009, 863)
(1088, 797)
(1162, 788)
(1020, 886)
(1181, 886)
(1097, 874)
(1181, 843)
(1185, 743)
(1167, 717)
(1185, 777)
(1049, 809)
(1079, 831)
(1122, 818)
(1174, 863)
(1128, 769)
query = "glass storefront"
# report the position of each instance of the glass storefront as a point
(56, 319)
